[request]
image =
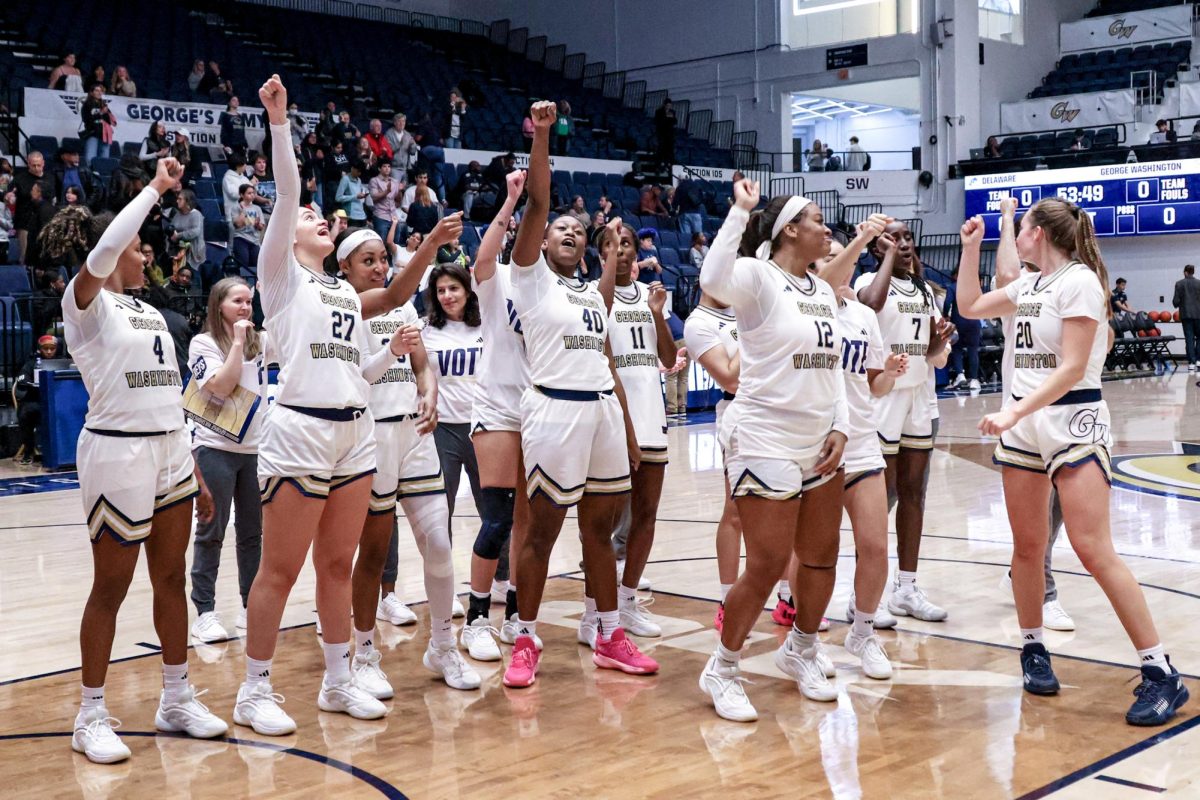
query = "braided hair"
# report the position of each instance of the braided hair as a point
(73, 229)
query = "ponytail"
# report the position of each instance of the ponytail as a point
(757, 232)
(1069, 228)
(1088, 251)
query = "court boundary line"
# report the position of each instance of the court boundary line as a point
(374, 781)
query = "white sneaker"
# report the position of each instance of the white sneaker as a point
(450, 664)
(723, 685)
(1005, 584)
(643, 582)
(348, 697)
(635, 619)
(369, 676)
(94, 736)
(1056, 618)
(958, 382)
(823, 625)
(910, 601)
(884, 619)
(974, 385)
(477, 640)
(508, 633)
(457, 611)
(189, 715)
(207, 628)
(589, 626)
(392, 610)
(869, 649)
(240, 623)
(805, 668)
(1191, 368)
(257, 707)
(824, 661)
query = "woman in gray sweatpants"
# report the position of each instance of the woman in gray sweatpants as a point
(228, 367)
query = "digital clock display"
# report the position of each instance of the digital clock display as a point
(1123, 199)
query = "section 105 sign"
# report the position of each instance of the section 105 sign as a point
(1140, 199)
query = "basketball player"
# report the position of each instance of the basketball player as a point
(783, 435)
(404, 402)
(710, 334)
(228, 359)
(911, 323)
(136, 472)
(1056, 432)
(640, 339)
(577, 440)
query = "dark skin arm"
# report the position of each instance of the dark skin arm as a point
(667, 352)
(874, 295)
(537, 209)
(404, 285)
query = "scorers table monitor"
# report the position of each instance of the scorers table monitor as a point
(1139, 199)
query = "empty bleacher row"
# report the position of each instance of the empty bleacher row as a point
(1105, 7)
(1109, 70)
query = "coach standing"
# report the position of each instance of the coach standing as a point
(1187, 300)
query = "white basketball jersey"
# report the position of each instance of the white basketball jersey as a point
(634, 343)
(456, 353)
(862, 349)
(395, 393)
(1008, 326)
(321, 342)
(565, 324)
(503, 371)
(126, 357)
(707, 328)
(1043, 302)
(905, 325)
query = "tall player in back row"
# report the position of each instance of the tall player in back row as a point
(1055, 432)
(135, 472)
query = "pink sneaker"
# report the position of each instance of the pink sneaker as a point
(620, 653)
(719, 622)
(522, 668)
(784, 613)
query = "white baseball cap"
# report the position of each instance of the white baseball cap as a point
(183, 132)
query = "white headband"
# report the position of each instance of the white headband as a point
(351, 242)
(791, 209)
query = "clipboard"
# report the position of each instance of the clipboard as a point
(229, 417)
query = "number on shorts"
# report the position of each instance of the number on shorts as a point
(341, 320)
(158, 349)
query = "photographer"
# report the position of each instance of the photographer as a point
(94, 115)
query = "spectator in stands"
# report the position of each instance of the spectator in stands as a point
(404, 148)
(671, 203)
(970, 333)
(453, 253)
(195, 77)
(150, 267)
(336, 165)
(248, 226)
(188, 229)
(424, 213)
(312, 167)
(454, 121)
(992, 148)
(262, 169)
(833, 162)
(691, 207)
(595, 225)
(1196, 132)
(578, 210)
(179, 289)
(72, 196)
(380, 148)
(432, 154)
(67, 174)
(1187, 300)
(346, 132)
(66, 77)
(468, 188)
(122, 84)
(94, 115)
(366, 157)
(47, 302)
(8, 202)
(498, 168)
(527, 132)
(215, 86)
(605, 205)
(234, 179)
(181, 151)
(1163, 133)
(564, 126)
(664, 130)
(385, 192)
(699, 249)
(169, 305)
(857, 159)
(648, 266)
(126, 182)
(297, 124)
(350, 196)
(154, 147)
(326, 122)
(651, 202)
(1080, 142)
(95, 78)
(405, 254)
(816, 157)
(1118, 301)
(28, 396)
(233, 130)
(32, 187)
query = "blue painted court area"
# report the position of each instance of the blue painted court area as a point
(35, 484)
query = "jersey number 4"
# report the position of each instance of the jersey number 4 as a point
(158, 349)
(340, 321)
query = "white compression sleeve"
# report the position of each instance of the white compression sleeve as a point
(102, 261)
(429, 518)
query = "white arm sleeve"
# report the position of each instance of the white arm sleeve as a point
(102, 261)
(719, 279)
(377, 364)
(276, 265)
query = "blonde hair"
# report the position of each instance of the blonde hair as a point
(422, 196)
(1069, 228)
(214, 324)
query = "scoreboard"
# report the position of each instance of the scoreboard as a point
(1138, 199)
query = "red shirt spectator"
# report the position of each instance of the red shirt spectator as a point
(378, 141)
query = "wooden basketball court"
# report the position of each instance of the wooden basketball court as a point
(952, 723)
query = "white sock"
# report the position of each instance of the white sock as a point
(1154, 657)
(175, 680)
(725, 587)
(257, 671)
(864, 623)
(364, 641)
(609, 622)
(1031, 635)
(906, 578)
(501, 586)
(525, 628)
(784, 590)
(626, 595)
(481, 595)
(801, 641)
(727, 658)
(337, 662)
(430, 520)
(90, 697)
(589, 606)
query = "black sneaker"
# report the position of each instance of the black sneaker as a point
(1159, 696)
(1036, 671)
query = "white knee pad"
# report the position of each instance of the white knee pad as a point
(429, 517)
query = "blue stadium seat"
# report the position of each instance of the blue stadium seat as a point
(14, 280)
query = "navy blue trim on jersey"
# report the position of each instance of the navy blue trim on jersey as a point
(348, 414)
(1073, 397)
(862, 476)
(126, 434)
(398, 418)
(572, 394)
(996, 460)
(727, 395)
